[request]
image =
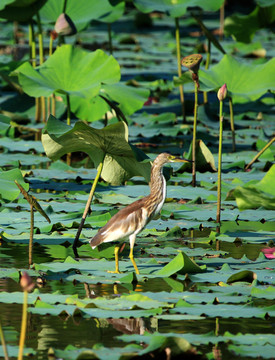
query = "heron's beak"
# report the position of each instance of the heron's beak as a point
(178, 159)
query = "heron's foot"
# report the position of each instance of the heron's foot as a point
(115, 272)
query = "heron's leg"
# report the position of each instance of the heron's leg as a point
(117, 248)
(131, 256)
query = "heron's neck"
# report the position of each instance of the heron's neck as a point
(158, 190)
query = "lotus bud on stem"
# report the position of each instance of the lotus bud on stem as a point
(64, 25)
(27, 286)
(192, 62)
(221, 96)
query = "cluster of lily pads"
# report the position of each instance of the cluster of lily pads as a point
(99, 116)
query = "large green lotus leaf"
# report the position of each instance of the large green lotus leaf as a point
(89, 109)
(70, 70)
(20, 10)
(255, 351)
(128, 98)
(3, 3)
(245, 82)
(126, 302)
(120, 161)
(13, 351)
(251, 339)
(99, 352)
(267, 184)
(176, 8)
(43, 308)
(257, 195)
(181, 264)
(222, 310)
(8, 189)
(268, 154)
(177, 344)
(251, 198)
(4, 125)
(82, 11)
(243, 27)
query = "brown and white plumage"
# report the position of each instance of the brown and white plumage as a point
(129, 221)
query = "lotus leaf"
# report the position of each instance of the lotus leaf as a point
(70, 70)
(82, 12)
(176, 8)
(109, 143)
(245, 82)
(8, 188)
(19, 10)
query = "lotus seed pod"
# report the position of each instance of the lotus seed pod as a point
(64, 25)
(222, 92)
(192, 62)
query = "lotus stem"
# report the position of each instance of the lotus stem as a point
(195, 134)
(207, 63)
(50, 98)
(23, 326)
(110, 38)
(260, 153)
(31, 40)
(31, 235)
(179, 66)
(53, 105)
(232, 124)
(41, 60)
(64, 6)
(40, 39)
(87, 208)
(221, 21)
(3, 342)
(33, 62)
(68, 109)
(218, 220)
(69, 156)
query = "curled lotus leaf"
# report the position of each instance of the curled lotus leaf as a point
(121, 160)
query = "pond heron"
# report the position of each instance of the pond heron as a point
(129, 221)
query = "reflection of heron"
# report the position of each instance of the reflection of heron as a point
(134, 217)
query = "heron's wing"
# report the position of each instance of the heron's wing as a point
(127, 221)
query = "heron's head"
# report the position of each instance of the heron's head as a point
(164, 158)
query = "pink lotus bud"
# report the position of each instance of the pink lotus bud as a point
(222, 92)
(64, 25)
(26, 282)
